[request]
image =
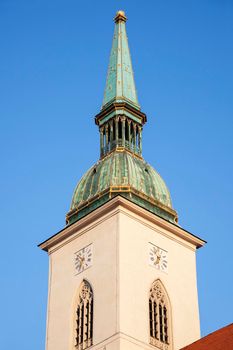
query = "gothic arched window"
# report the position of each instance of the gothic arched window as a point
(84, 317)
(159, 316)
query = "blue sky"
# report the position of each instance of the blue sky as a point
(53, 64)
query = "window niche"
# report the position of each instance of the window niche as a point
(84, 317)
(159, 316)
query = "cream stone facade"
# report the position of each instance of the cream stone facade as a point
(121, 277)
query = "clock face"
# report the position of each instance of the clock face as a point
(158, 257)
(83, 258)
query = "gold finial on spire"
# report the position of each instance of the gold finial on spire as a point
(120, 16)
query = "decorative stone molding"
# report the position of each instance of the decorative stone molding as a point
(156, 292)
(158, 344)
(159, 316)
(84, 317)
(85, 291)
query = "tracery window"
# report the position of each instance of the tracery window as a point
(84, 317)
(159, 316)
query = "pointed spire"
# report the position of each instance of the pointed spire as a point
(120, 120)
(120, 85)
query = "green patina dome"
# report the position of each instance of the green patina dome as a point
(121, 173)
(121, 169)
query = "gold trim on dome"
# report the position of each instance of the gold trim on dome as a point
(122, 189)
(121, 150)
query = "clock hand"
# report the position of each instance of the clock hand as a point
(158, 258)
(81, 259)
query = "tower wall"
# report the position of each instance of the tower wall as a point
(121, 277)
(64, 283)
(136, 277)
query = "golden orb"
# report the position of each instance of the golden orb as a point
(122, 13)
(120, 16)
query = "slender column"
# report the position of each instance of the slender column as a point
(123, 131)
(107, 138)
(128, 124)
(101, 142)
(81, 324)
(156, 320)
(85, 323)
(77, 325)
(140, 140)
(160, 323)
(134, 138)
(111, 135)
(90, 323)
(165, 324)
(116, 130)
(152, 331)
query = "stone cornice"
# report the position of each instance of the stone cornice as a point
(116, 205)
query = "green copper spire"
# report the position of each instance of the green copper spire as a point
(120, 86)
(120, 120)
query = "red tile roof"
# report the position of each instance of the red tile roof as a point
(222, 339)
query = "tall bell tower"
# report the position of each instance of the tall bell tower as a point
(122, 272)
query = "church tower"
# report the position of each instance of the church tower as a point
(122, 272)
